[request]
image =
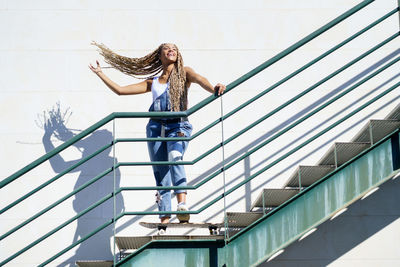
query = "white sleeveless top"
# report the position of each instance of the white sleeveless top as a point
(157, 88)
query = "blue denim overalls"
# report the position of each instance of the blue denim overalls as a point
(167, 175)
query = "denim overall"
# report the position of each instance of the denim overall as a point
(167, 175)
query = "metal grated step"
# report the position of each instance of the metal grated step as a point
(94, 263)
(135, 242)
(129, 242)
(340, 153)
(308, 175)
(375, 130)
(394, 114)
(242, 219)
(274, 197)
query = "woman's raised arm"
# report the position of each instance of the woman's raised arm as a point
(193, 77)
(132, 89)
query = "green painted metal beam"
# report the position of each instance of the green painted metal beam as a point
(150, 254)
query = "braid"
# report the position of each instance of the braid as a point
(178, 89)
(148, 67)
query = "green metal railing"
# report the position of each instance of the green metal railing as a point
(16, 175)
(265, 239)
(188, 113)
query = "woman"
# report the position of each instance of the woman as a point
(169, 92)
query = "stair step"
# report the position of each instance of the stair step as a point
(340, 153)
(242, 219)
(94, 263)
(135, 242)
(394, 114)
(274, 197)
(308, 175)
(375, 130)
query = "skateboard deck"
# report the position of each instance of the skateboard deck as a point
(213, 227)
(182, 225)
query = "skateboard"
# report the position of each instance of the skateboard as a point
(212, 227)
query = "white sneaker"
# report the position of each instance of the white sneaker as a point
(183, 218)
(162, 230)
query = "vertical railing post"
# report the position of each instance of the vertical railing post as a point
(226, 226)
(114, 194)
(299, 173)
(335, 155)
(263, 203)
(398, 9)
(371, 136)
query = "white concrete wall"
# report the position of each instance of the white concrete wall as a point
(44, 54)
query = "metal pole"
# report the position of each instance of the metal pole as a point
(263, 202)
(226, 232)
(398, 9)
(299, 173)
(114, 194)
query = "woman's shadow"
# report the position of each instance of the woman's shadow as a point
(98, 247)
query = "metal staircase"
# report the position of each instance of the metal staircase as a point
(338, 159)
(278, 216)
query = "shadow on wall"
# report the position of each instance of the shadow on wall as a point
(99, 246)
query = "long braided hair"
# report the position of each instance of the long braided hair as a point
(148, 67)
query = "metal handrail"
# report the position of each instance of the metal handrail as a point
(228, 192)
(226, 141)
(211, 124)
(277, 209)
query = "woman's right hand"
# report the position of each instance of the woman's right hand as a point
(96, 70)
